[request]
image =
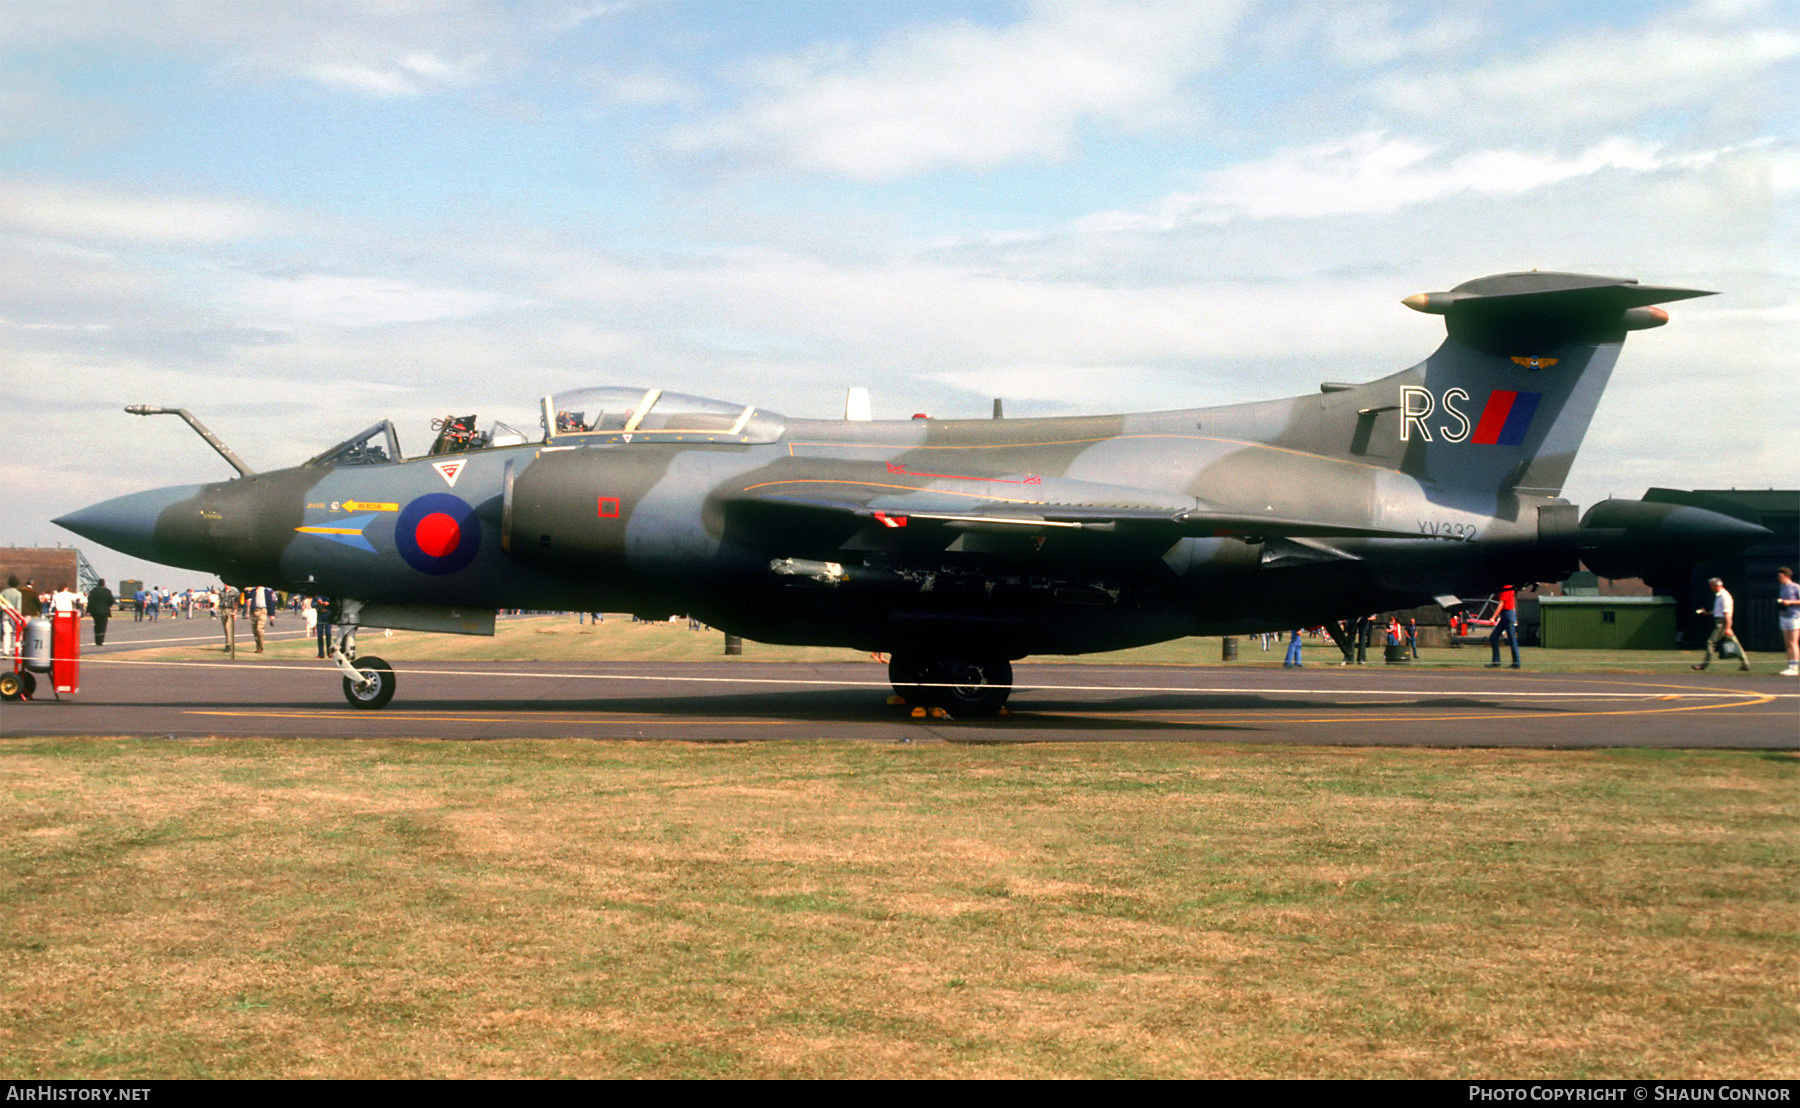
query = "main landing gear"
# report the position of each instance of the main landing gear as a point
(368, 681)
(961, 687)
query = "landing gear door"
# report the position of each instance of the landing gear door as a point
(1558, 527)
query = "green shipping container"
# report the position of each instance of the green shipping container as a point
(1607, 622)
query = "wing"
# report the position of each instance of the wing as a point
(889, 508)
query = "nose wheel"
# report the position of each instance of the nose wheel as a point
(368, 681)
(374, 686)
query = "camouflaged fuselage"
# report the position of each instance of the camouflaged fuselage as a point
(974, 537)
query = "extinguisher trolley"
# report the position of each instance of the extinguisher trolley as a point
(16, 682)
(39, 645)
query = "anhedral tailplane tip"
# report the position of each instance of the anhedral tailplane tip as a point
(1585, 290)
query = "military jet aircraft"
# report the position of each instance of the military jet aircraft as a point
(960, 546)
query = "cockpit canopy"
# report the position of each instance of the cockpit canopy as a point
(652, 415)
(581, 417)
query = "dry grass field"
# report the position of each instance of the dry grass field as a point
(569, 909)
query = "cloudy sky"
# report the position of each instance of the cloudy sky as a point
(297, 218)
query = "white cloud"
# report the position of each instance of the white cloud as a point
(357, 302)
(966, 95)
(362, 78)
(1784, 172)
(1709, 57)
(898, 323)
(92, 214)
(406, 48)
(642, 87)
(1086, 389)
(1368, 34)
(1376, 173)
(411, 75)
(34, 107)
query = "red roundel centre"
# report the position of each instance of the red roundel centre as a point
(437, 535)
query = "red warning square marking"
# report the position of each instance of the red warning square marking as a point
(609, 507)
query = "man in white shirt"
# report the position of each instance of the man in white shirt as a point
(1721, 613)
(260, 614)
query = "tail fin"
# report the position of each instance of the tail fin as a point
(1503, 404)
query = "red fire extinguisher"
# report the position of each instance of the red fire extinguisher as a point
(65, 653)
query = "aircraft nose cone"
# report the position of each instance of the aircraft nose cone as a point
(141, 524)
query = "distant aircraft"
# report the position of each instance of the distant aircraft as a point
(960, 546)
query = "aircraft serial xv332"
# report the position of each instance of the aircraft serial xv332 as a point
(960, 546)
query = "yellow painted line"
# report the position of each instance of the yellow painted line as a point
(1202, 717)
(589, 719)
(1662, 685)
(329, 530)
(1195, 717)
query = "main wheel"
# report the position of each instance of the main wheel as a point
(965, 688)
(377, 687)
(905, 672)
(976, 688)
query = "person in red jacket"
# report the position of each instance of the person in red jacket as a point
(1506, 622)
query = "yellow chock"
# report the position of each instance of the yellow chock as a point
(939, 713)
(1004, 712)
(918, 713)
(897, 700)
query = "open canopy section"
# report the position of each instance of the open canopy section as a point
(379, 444)
(375, 446)
(652, 415)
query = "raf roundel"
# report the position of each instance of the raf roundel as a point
(438, 534)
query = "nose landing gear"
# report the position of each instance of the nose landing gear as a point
(368, 681)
